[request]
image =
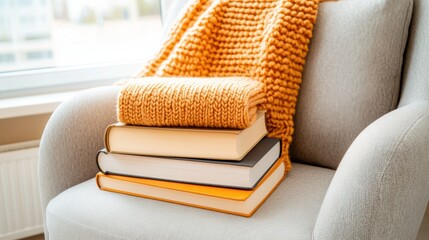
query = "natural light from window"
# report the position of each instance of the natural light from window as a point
(38, 34)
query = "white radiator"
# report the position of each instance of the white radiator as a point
(20, 209)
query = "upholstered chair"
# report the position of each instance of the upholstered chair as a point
(360, 150)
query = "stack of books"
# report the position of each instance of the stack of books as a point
(226, 170)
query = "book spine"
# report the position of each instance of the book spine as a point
(97, 180)
(97, 160)
(106, 138)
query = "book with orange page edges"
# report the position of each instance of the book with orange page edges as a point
(227, 200)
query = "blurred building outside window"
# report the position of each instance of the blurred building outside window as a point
(36, 34)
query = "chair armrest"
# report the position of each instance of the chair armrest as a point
(71, 139)
(381, 188)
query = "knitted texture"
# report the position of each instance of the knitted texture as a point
(191, 102)
(265, 40)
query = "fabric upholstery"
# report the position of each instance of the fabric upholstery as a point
(380, 190)
(71, 140)
(351, 77)
(85, 212)
(415, 84)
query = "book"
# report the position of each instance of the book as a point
(228, 200)
(243, 174)
(222, 144)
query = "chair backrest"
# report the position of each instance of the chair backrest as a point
(352, 75)
(415, 82)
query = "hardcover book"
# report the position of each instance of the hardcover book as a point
(227, 200)
(221, 144)
(243, 174)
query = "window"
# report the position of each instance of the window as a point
(98, 40)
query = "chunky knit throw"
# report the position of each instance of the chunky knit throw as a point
(196, 102)
(264, 40)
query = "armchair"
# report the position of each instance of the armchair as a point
(360, 151)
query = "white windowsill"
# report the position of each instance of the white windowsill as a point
(34, 82)
(32, 105)
(49, 87)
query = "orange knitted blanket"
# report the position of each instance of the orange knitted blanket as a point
(264, 40)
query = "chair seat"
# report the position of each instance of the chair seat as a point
(85, 212)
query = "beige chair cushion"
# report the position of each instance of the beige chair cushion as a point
(352, 75)
(85, 212)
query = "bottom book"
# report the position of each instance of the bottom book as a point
(227, 200)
